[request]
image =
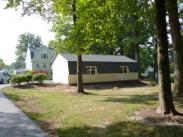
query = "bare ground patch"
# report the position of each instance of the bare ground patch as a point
(151, 117)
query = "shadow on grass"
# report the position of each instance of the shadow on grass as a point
(45, 125)
(118, 129)
(24, 86)
(122, 129)
(133, 99)
(34, 85)
(118, 84)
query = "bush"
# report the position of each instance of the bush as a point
(27, 78)
(40, 77)
(17, 79)
(20, 78)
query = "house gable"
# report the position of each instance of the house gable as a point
(60, 70)
(28, 60)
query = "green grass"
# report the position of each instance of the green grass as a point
(103, 114)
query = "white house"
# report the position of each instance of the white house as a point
(40, 59)
(96, 68)
(149, 72)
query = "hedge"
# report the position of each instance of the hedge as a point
(40, 77)
(27, 78)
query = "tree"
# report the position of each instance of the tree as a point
(2, 64)
(166, 105)
(24, 41)
(49, 9)
(117, 27)
(177, 46)
(74, 41)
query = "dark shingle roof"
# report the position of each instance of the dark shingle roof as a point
(98, 58)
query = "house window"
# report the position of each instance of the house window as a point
(37, 65)
(44, 66)
(44, 55)
(124, 69)
(32, 54)
(91, 70)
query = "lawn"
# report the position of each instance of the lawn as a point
(105, 112)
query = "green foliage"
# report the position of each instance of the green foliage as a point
(27, 78)
(17, 79)
(146, 55)
(20, 78)
(24, 41)
(171, 78)
(40, 77)
(2, 64)
(102, 27)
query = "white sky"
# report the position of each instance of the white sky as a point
(12, 25)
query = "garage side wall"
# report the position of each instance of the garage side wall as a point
(106, 72)
(104, 77)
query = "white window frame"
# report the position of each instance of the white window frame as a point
(89, 70)
(122, 70)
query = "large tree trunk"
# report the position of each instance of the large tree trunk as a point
(155, 65)
(166, 105)
(79, 74)
(177, 45)
(79, 57)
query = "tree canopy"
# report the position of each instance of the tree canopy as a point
(24, 41)
(2, 64)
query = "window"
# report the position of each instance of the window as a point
(124, 69)
(44, 55)
(91, 70)
(37, 65)
(32, 54)
(44, 66)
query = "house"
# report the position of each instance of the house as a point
(40, 59)
(96, 68)
(149, 72)
(19, 71)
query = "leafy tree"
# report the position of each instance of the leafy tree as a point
(24, 41)
(111, 27)
(2, 64)
(65, 8)
(119, 27)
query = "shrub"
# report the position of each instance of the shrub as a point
(28, 78)
(29, 72)
(17, 79)
(20, 78)
(40, 77)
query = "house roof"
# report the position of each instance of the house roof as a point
(98, 58)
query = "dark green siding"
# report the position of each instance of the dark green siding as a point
(104, 67)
